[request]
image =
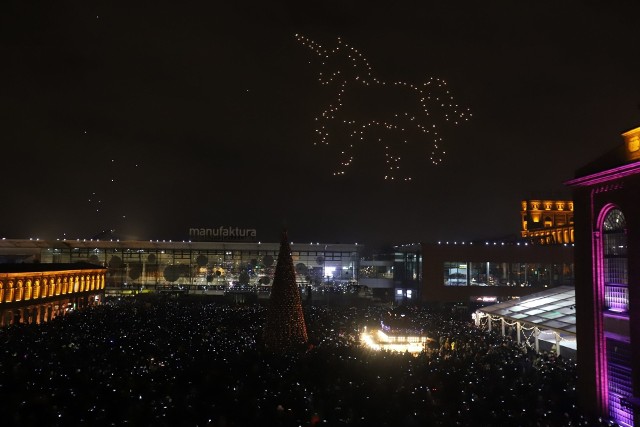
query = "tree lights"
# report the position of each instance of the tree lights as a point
(285, 329)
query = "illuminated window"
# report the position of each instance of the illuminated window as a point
(615, 281)
(619, 381)
(614, 242)
(455, 273)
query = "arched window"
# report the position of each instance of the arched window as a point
(615, 280)
(614, 254)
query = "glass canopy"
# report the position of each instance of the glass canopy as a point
(553, 309)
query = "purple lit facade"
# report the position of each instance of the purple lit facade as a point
(607, 276)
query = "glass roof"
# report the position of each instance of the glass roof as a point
(553, 308)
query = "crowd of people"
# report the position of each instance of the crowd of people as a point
(188, 361)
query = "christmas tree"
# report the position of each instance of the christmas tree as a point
(285, 328)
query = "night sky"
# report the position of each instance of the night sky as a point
(149, 118)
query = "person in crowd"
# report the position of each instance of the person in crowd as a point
(160, 361)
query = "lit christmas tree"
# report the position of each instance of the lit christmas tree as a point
(285, 328)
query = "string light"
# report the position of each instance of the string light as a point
(416, 109)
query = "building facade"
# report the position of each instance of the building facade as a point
(485, 273)
(155, 265)
(607, 227)
(547, 222)
(37, 293)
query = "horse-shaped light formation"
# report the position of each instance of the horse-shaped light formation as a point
(396, 115)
